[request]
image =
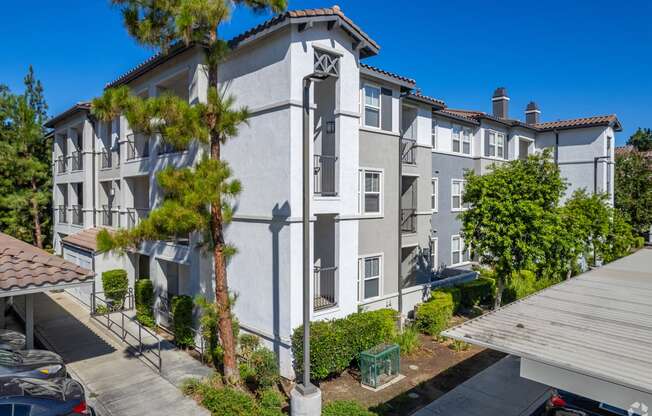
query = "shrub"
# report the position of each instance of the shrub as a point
(248, 344)
(432, 317)
(459, 346)
(519, 285)
(228, 402)
(345, 408)
(192, 387)
(182, 323)
(264, 367)
(336, 344)
(116, 285)
(408, 341)
(639, 242)
(271, 402)
(144, 293)
(455, 294)
(479, 291)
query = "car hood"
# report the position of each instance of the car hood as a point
(39, 357)
(11, 340)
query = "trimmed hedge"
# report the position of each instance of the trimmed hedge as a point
(144, 294)
(182, 323)
(480, 291)
(639, 242)
(456, 296)
(335, 345)
(433, 316)
(228, 402)
(116, 285)
(345, 408)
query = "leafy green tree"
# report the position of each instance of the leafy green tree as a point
(25, 173)
(198, 199)
(633, 189)
(619, 239)
(641, 140)
(513, 219)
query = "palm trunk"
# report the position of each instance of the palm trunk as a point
(224, 325)
(38, 235)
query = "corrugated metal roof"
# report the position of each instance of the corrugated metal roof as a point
(598, 324)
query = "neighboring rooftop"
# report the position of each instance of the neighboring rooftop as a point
(426, 99)
(84, 106)
(85, 239)
(23, 266)
(595, 121)
(393, 76)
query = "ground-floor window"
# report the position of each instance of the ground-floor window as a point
(369, 277)
(434, 256)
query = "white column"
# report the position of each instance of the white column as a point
(29, 321)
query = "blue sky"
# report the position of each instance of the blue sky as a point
(575, 58)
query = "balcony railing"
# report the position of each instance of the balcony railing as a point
(110, 216)
(107, 159)
(325, 175)
(324, 284)
(137, 146)
(135, 215)
(77, 215)
(62, 164)
(77, 160)
(63, 214)
(408, 220)
(408, 154)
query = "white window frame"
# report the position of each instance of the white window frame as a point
(462, 249)
(467, 134)
(434, 124)
(362, 172)
(456, 137)
(362, 279)
(434, 253)
(365, 105)
(434, 194)
(499, 142)
(462, 183)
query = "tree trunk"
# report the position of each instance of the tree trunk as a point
(38, 235)
(224, 324)
(500, 283)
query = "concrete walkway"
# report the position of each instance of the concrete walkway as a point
(497, 391)
(117, 383)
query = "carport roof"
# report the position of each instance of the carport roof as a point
(597, 325)
(23, 266)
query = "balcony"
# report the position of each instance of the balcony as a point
(77, 160)
(137, 146)
(62, 164)
(408, 152)
(77, 215)
(63, 214)
(106, 161)
(110, 216)
(408, 220)
(324, 284)
(135, 215)
(325, 175)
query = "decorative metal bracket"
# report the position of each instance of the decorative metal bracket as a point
(326, 64)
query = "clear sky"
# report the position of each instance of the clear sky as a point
(575, 58)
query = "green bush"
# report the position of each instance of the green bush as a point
(336, 344)
(116, 285)
(345, 408)
(455, 294)
(408, 341)
(248, 344)
(182, 323)
(265, 368)
(228, 402)
(480, 291)
(639, 242)
(144, 293)
(433, 316)
(271, 402)
(519, 285)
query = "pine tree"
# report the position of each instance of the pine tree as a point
(198, 199)
(25, 173)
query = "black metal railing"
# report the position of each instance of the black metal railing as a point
(164, 309)
(408, 220)
(324, 287)
(62, 164)
(77, 160)
(63, 214)
(77, 215)
(408, 153)
(325, 175)
(110, 216)
(137, 146)
(134, 215)
(107, 159)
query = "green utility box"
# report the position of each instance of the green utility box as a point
(380, 364)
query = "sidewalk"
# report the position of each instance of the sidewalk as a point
(117, 383)
(497, 391)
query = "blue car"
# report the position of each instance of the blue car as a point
(36, 397)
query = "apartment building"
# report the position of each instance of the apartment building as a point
(388, 165)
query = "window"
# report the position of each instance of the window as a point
(457, 131)
(371, 106)
(457, 192)
(500, 145)
(459, 252)
(370, 198)
(369, 280)
(434, 197)
(466, 141)
(433, 133)
(434, 258)
(496, 143)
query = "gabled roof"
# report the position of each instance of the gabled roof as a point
(480, 115)
(24, 266)
(85, 239)
(417, 96)
(83, 106)
(455, 115)
(608, 120)
(391, 76)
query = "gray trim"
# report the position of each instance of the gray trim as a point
(385, 109)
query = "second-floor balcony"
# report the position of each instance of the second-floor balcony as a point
(110, 216)
(408, 151)
(324, 287)
(77, 215)
(137, 146)
(106, 159)
(61, 164)
(408, 220)
(325, 175)
(77, 160)
(135, 215)
(63, 214)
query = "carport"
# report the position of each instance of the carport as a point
(591, 335)
(26, 270)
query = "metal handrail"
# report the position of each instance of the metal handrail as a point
(137, 146)
(167, 311)
(107, 215)
(77, 215)
(408, 154)
(134, 215)
(62, 162)
(325, 175)
(63, 217)
(107, 159)
(408, 220)
(77, 160)
(324, 299)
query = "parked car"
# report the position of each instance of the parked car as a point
(563, 403)
(35, 397)
(11, 340)
(31, 363)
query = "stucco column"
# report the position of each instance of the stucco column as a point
(29, 321)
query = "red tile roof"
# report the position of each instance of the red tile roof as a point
(24, 266)
(607, 120)
(86, 239)
(424, 98)
(388, 74)
(457, 115)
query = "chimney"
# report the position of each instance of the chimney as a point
(500, 102)
(532, 113)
